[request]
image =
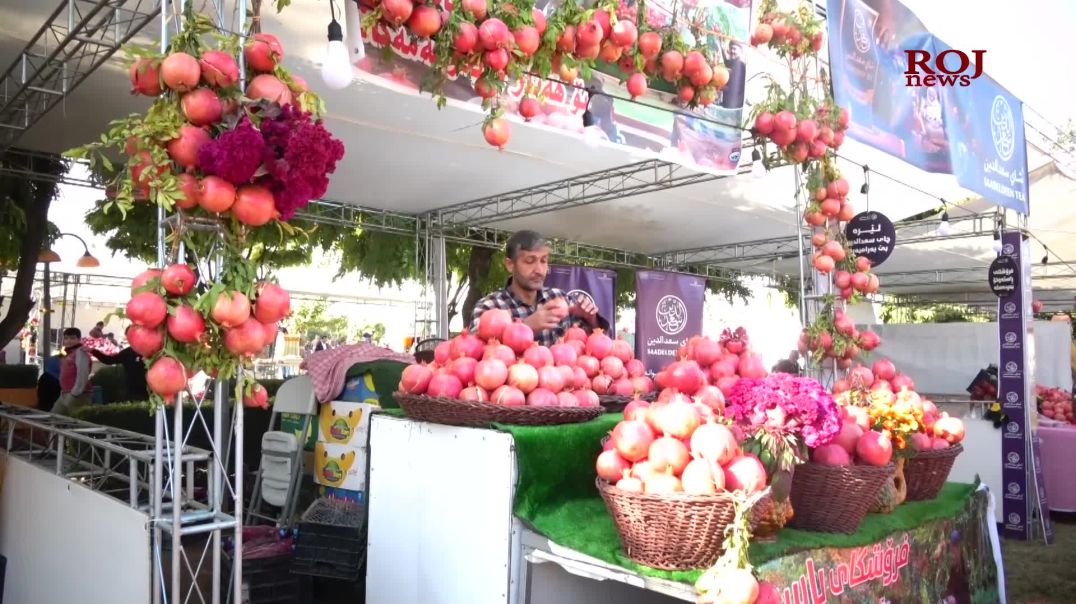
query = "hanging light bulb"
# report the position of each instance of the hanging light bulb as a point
(592, 133)
(944, 228)
(758, 169)
(336, 67)
(1046, 258)
(997, 242)
(866, 188)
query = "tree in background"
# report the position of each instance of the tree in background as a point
(312, 319)
(25, 228)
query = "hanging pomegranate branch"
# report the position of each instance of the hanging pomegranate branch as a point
(804, 126)
(225, 162)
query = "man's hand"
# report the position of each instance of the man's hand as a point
(585, 309)
(543, 319)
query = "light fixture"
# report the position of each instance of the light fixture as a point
(47, 255)
(88, 261)
(944, 228)
(866, 188)
(336, 67)
(1046, 258)
(758, 168)
(997, 242)
(592, 133)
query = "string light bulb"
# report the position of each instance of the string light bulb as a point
(944, 228)
(866, 188)
(758, 168)
(997, 242)
(336, 67)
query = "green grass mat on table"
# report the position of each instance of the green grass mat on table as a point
(557, 497)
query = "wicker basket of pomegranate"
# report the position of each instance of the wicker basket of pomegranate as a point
(934, 451)
(500, 374)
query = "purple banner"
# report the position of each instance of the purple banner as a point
(668, 311)
(598, 284)
(1021, 505)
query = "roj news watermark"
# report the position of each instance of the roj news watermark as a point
(948, 68)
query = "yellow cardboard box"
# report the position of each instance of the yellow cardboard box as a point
(344, 423)
(340, 466)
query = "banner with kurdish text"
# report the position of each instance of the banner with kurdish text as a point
(948, 559)
(598, 284)
(668, 311)
(958, 121)
(396, 59)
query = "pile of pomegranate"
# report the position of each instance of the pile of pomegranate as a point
(676, 445)
(501, 364)
(707, 369)
(174, 315)
(873, 400)
(499, 45)
(1055, 403)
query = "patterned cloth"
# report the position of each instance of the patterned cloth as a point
(328, 368)
(506, 300)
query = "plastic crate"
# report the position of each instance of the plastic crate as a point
(331, 540)
(270, 581)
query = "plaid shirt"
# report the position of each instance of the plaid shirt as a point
(504, 299)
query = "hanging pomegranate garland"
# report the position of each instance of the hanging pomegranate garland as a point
(238, 160)
(504, 44)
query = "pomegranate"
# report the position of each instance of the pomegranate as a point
(715, 443)
(832, 454)
(518, 336)
(634, 367)
(184, 148)
(672, 65)
(949, 428)
(721, 76)
(630, 483)
(527, 39)
(529, 108)
(188, 187)
(563, 354)
(231, 309)
(508, 396)
(166, 377)
(465, 39)
(622, 387)
(442, 353)
(540, 397)
(874, 448)
(270, 88)
(490, 374)
(538, 356)
(685, 377)
(712, 398)
(145, 77)
(497, 59)
(668, 453)
(636, 85)
(636, 409)
(466, 345)
(601, 384)
(575, 333)
(272, 303)
(612, 367)
(201, 107)
(550, 378)
(493, 34)
(216, 195)
(884, 369)
(474, 394)
(180, 72)
(523, 376)
(624, 33)
(219, 68)
(492, 323)
(589, 34)
(178, 279)
(745, 473)
(589, 365)
(464, 369)
(902, 382)
(611, 466)
(496, 132)
(415, 379)
(678, 418)
(145, 341)
(599, 345)
(146, 309)
(659, 482)
(566, 398)
(146, 280)
(444, 385)
(496, 350)
(186, 325)
(587, 398)
(264, 51)
(477, 8)
(698, 479)
(632, 439)
(581, 380)
(425, 21)
(254, 205)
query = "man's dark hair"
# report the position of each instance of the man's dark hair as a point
(523, 241)
(786, 366)
(100, 324)
(73, 331)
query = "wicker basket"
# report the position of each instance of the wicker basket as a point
(672, 531)
(835, 499)
(454, 412)
(614, 403)
(928, 470)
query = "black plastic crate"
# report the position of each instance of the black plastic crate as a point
(331, 540)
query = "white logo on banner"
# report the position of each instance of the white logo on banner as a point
(1012, 397)
(1011, 367)
(1014, 457)
(1014, 488)
(861, 32)
(1003, 128)
(671, 315)
(1014, 518)
(577, 296)
(1010, 307)
(1013, 427)
(1007, 249)
(1010, 337)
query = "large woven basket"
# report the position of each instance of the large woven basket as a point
(455, 412)
(614, 403)
(835, 499)
(927, 471)
(672, 531)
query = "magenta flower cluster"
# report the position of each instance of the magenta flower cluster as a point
(290, 153)
(787, 405)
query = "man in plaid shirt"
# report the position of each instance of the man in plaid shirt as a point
(527, 260)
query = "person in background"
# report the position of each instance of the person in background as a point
(75, 384)
(134, 368)
(317, 345)
(786, 366)
(98, 330)
(526, 256)
(732, 94)
(368, 338)
(48, 383)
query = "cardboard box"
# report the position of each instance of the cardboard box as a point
(342, 494)
(340, 466)
(360, 389)
(344, 423)
(293, 423)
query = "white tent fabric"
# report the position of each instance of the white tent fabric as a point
(943, 358)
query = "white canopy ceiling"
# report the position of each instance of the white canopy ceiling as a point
(405, 155)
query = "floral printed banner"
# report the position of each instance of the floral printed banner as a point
(949, 560)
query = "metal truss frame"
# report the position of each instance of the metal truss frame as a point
(972, 275)
(76, 39)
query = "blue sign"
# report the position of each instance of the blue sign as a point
(913, 96)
